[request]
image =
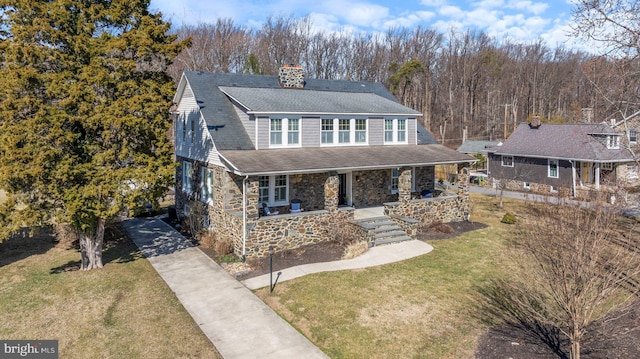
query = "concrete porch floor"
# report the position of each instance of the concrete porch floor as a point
(368, 212)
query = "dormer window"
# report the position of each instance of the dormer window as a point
(284, 132)
(613, 142)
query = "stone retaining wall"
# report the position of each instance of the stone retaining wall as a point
(446, 208)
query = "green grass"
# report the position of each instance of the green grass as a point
(419, 308)
(124, 310)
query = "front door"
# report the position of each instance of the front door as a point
(586, 172)
(344, 191)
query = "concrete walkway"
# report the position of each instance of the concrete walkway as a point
(237, 322)
(375, 256)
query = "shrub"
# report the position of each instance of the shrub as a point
(508, 218)
(207, 239)
(223, 246)
(355, 249)
(441, 227)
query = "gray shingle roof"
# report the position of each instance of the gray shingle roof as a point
(569, 141)
(306, 102)
(219, 113)
(473, 147)
(300, 160)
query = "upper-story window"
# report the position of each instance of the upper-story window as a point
(284, 132)
(395, 131)
(633, 136)
(192, 130)
(343, 131)
(613, 142)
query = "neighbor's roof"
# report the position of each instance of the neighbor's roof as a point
(566, 141)
(219, 113)
(473, 147)
(307, 160)
(269, 101)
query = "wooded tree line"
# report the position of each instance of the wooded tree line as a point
(457, 80)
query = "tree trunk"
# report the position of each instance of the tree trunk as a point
(91, 247)
(575, 345)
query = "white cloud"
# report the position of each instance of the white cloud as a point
(451, 11)
(357, 13)
(534, 8)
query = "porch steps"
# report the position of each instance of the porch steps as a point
(382, 230)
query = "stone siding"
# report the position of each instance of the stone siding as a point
(372, 188)
(309, 189)
(291, 231)
(446, 208)
(291, 77)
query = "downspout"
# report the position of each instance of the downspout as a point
(573, 178)
(244, 218)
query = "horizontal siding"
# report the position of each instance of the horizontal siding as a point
(248, 122)
(310, 128)
(262, 142)
(376, 131)
(412, 127)
(202, 148)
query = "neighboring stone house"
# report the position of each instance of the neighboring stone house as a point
(630, 126)
(248, 141)
(574, 159)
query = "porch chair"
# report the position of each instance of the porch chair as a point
(267, 211)
(295, 206)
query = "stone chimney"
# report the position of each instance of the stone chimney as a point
(291, 76)
(535, 122)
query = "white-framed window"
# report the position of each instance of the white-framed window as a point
(395, 174)
(613, 142)
(606, 166)
(633, 136)
(507, 161)
(273, 190)
(187, 181)
(395, 131)
(361, 131)
(284, 132)
(526, 185)
(192, 130)
(553, 168)
(343, 131)
(206, 183)
(184, 130)
(327, 131)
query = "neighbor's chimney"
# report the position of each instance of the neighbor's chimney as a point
(291, 76)
(587, 115)
(535, 122)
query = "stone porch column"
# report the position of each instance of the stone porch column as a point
(331, 190)
(404, 185)
(463, 191)
(252, 198)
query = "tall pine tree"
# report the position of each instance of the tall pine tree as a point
(83, 113)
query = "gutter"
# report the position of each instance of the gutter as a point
(238, 172)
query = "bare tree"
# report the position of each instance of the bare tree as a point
(569, 267)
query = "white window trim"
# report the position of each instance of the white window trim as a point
(395, 131)
(526, 185)
(285, 133)
(192, 130)
(206, 183)
(187, 177)
(549, 161)
(352, 132)
(413, 180)
(502, 162)
(272, 192)
(613, 142)
(633, 139)
(606, 166)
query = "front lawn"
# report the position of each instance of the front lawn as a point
(124, 310)
(419, 308)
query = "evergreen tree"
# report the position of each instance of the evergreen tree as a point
(83, 113)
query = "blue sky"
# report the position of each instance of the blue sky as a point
(518, 20)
